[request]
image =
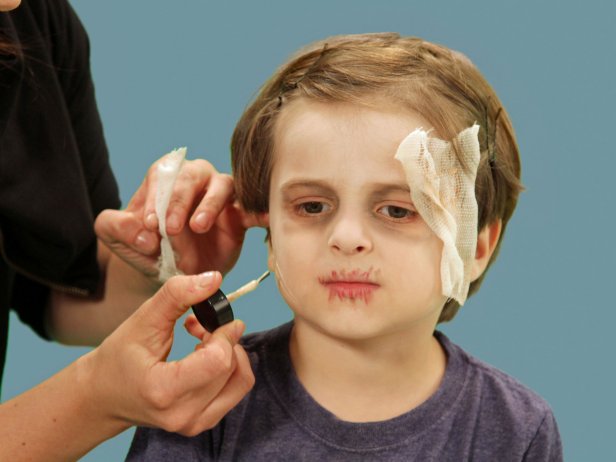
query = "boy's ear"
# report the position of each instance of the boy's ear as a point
(486, 243)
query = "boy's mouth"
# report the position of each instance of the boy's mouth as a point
(353, 284)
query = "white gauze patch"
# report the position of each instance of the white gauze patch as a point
(443, 191)
(167, 172)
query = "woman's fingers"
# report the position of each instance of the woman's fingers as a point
(198, 187)
(219, 194)
(194, 328)
(238, 384)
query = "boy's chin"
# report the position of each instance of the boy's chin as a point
(351, 324)
(348, 330)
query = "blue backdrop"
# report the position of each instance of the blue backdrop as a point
(171, 74)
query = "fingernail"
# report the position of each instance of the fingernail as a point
(202, 220)
(205, 279)
(173, 222)
(142, 240)
(238, 329)
(151, 220)
(188, 321)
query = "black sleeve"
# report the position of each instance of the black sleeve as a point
(72, 60)
(56, 135)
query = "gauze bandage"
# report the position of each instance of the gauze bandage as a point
(443, 191)
(167, 173)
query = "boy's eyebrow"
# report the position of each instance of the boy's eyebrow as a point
(384, 189)
(377, 189)
(320, 185)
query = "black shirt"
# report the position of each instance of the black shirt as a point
(54, 167)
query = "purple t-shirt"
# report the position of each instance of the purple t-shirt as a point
(478, 413)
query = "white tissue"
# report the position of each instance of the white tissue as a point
(167, 173)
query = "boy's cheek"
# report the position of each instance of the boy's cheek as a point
(271, 258)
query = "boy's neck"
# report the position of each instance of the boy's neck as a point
(367, 381)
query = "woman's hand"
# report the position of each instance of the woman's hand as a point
(135, 383)
(127, 381)
(206, 227)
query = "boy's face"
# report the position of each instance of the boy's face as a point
(352, 257)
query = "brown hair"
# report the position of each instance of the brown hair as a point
(441, 85)
(9, 51)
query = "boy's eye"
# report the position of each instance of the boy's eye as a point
(313, 208)
(397, 213)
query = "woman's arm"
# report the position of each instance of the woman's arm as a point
(75, 320)
(126, 381)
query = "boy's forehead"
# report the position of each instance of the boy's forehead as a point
(303, 111)
(340, 143)
(311, 126)
(330, 172)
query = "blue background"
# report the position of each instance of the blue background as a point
(171, 74)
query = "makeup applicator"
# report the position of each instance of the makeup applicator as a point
(216, 310)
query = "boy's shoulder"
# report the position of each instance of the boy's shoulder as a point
(505, 409)
(493, 383)
(262, 342)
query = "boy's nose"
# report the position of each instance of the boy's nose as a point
(349, 236)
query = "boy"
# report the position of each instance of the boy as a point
(377, 231)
